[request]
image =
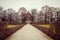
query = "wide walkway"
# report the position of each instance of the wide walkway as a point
(29, 32)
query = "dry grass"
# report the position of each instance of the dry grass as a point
(11, 26)
(45, 25)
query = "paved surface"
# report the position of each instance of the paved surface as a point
(29, 32)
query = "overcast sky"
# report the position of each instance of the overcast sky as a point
(28, 4)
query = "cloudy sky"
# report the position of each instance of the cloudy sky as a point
(28, 4)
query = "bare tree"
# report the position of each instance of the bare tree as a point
(41, 17)
(49, 12)
(10, 15)
(22, 11)
(1, 12)
(34, 15)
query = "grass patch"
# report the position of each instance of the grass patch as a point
(45, 25)
(11, 26)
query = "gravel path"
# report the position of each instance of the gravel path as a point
(29, 32)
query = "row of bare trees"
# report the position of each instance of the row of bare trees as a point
(47, 14)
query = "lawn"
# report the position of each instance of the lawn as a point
(45, 25)
(12, 26)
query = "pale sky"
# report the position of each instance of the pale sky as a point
(28, 4)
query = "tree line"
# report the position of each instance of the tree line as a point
(47, 14)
